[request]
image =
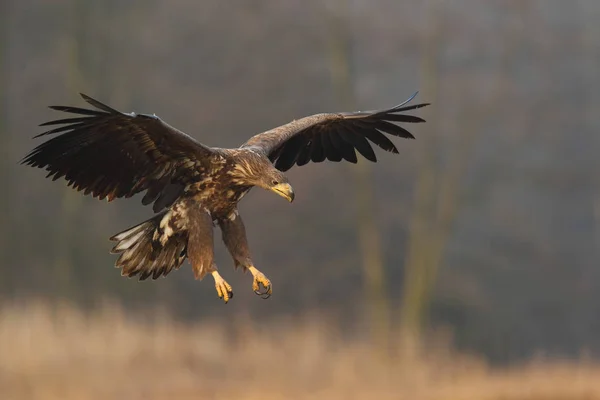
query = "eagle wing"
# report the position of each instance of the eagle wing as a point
(111, 154)
(334, 136)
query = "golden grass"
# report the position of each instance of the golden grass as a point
(61, 353)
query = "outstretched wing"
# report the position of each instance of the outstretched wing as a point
(111, 154)
(334, 136)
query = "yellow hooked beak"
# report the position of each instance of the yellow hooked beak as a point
(284, 190)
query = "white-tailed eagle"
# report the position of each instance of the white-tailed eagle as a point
(193, 187)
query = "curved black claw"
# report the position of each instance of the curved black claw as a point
(260, 280)
(266, 293)
(225, 295)
(224, 290)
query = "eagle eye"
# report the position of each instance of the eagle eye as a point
(274, 182)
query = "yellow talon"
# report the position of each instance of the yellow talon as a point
(261, 279)
(224, 289)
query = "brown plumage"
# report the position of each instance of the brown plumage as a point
(110, 154)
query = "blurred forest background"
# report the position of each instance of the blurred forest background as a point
(484, 230)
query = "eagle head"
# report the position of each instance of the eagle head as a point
(257, 170)
(278, 183)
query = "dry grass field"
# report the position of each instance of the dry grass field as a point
(61, 353)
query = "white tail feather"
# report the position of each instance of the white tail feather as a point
(129, 232)
(150, 249)
(124, 244)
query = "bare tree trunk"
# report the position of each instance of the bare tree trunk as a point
(368, 233)
(5, 147)
(438, 190)
(589, 43)
(418, 272)
(72, 201)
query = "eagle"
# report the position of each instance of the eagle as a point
(193, 187)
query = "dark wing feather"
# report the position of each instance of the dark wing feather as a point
(330, 151)
(110, 154)
(317, 152)
(304, 155)
(361, 144)
(334, 136)
(345, 148)
(380, 139)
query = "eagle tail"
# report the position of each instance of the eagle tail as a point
(150, 249)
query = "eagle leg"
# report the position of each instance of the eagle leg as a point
(234, 236)
(224, 290)
(200, 249)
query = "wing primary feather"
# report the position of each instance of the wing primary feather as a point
(304, 155)
(393, 129)
(346, 149)
(360, 143)
(77, 110)
(99, 105)
(383, 114)
(317, 153)
(379, 139)
(72, 127)
(402, 118)
(332, 153)
(66, 121)
(408, 100)
(399, 107)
